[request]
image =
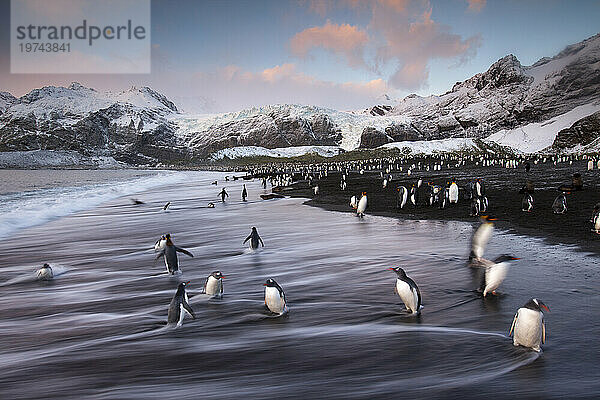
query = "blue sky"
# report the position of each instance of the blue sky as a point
(226, 55)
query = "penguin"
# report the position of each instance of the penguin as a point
(483, 204)
(560, 204)
(160, 243)
(494, 273)
(179, 306)
(316, 190)
(527, 203)
(453, 193)
(595, 220)
(244, 193)
(414, 197)
(166, 206)
(223, 193)
(214, 284)
(353, 202)
(408, 291)
(215, 182)
(210, 205)
(169, 252)
(475, 206)
(528, 328)
(136, 202)
(402, 197)
(275, 297)
(45, 273)
(481, 237)
(254, 239)
(362, 205)
(442, 197)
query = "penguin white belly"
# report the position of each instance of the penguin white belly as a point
(494, 276)
(213, 287)
(181, 315)
(274, 301)
(453, 195)
(362, 205)
(44, 274)
(408, 295)
(528, 329)
(597, 223)
(480, 238)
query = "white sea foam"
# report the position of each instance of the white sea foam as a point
(26, 209)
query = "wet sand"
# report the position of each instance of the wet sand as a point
(502, 190)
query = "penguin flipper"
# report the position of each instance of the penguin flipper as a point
(159, 254)
(184, 251)
(512, 326)
(189, 310)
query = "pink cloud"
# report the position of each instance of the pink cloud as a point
(344, 40)
(401, 32)
(476, 5)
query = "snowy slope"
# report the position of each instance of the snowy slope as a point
(537, 136)
(429, 147)
(283, 152)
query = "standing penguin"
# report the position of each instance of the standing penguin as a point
(275, 297)
(414, 196)
(494, 273)
(254, 239)
(595, 220)
(483, 204)
(45, 273)
(353, 202)
(560, 204)
(528, 325)
(160, 243)
(527, 203)
(475, 206)
(481, 237)
(362, 205)
(453, 193)
(223, 194)
(402, 197)
(408, 291)
(169, 251)
(244, 193)
(179, 306)
(214, 284)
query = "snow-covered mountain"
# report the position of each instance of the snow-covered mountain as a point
(552, 104)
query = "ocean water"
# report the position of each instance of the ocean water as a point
(98, 330)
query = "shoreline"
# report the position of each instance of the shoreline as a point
(502, 189)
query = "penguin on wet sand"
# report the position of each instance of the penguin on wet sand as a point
(169, 252)
(528, 328)
(254, 239)
(453, 193)
(45, 273)
(362, 205)
(527, 203)
(244, 193)
(402, 197)
(179, 306)
(560, 204)
(166, 205)
(275, 297)
(213, 286)
(595, 220)
(494, 273)
(223, 194)
(160, 243)
(408, 291)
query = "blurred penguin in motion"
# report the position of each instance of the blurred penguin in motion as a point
(527, 203)
(560, 204)
(494, 273)
(179, 306)
(528, 328)
(45, 273)
(480, 239)
(169, 252)
(362, 206)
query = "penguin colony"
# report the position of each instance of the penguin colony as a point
(528, 326)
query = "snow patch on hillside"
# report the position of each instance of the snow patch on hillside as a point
(429, 147)
(54, 159)
(537, 136)
(257, 151)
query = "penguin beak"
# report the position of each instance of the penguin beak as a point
(222, 277)
(515, 258)
(264, 284)
(187, 283)
(545, 307)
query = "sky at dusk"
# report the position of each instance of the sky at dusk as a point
(217, 56)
